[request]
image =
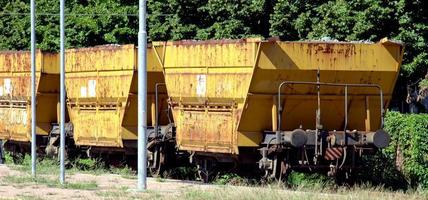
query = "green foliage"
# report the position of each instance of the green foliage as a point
(90, 23)
(405, 161)
(403, 20)
(82, 28)
(305, 180)
(8, 159)
(413, 30)
(88, 164)
(173, 19)
(343, 20)
(231, 179)
(98, 166)
(423, 83)
(43, 166)
(182, 173)
(213, 19)
(233, 19)
(14, 30)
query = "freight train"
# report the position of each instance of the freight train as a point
(219, 104)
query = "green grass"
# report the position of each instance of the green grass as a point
(314, 182)
(298, 186)
(160, 179)
(233, 193)
(250, 193)
(226, 192)
(43, 166)
(21, 181)
(91, 185)
(124, 172)
(295, 180)
(112, 194)
(79, 165)
(116, 193)
(125, 193)
(29, 197)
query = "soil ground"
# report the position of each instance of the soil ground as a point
(16, 184)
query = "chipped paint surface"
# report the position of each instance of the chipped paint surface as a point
(15, 93)
(207, 83)
(101, 89)
(241, 77)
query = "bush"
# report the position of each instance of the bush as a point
(182, 173)
(314, 180)
(405, 161)
(231, 179)
(87, 164)
(423, 83)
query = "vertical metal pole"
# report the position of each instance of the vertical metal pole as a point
(33, 88)
(142, 97)
(62, 95)
(318, 115)
(346, 115)
(156, 109)
(382, 110)
(279, 107)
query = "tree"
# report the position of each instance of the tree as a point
(88, 23)
(14, 28)
(234, 19)
(95, 22)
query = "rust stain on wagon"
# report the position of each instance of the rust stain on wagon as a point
(253, 70)
(102, 85)
(15, 106)
(212, 42)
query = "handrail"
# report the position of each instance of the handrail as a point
(318, 84)
(157, 85)
(382, 111)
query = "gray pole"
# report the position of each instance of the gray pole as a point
(62, 88)
(142, 97)
(33, 88)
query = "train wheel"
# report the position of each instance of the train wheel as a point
(52, 148)
(156, 162)
(162, 155)
(280, 169)
(345, 177)
(206, 169)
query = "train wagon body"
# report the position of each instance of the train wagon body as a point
(301, 101)
(15, 94)
(101, 85)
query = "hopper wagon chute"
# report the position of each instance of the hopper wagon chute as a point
(15, 98)
(101, 85)
(283, 105)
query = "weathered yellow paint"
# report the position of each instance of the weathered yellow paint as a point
(15, 94)
(101, 84)
(221, 91)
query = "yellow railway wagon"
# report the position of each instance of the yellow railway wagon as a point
(101, 84)
(15, 94)
(224, 97)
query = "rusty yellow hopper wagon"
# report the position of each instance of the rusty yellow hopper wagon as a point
(15, 97)
(101, 85)
(282, 105)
